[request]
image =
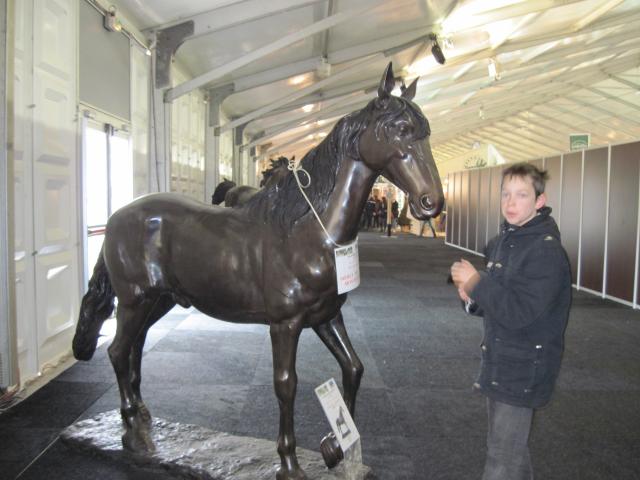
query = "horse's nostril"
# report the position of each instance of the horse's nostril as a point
(426, 202)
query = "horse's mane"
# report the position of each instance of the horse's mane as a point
(275, 168)
(282, 204)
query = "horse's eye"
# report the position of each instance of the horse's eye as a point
(404, 130)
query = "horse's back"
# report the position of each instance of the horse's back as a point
(164, 243)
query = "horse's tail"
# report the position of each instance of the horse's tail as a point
(97, 306)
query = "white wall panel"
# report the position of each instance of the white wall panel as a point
(140, 82)
(55, 165)
(187, 143)
(26, 325)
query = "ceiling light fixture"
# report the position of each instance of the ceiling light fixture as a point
(111, 22)
(436, 51)
(495, 70)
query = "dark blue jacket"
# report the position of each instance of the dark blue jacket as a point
(524, 296)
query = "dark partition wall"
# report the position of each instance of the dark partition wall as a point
(464, 208)
(570, 208)
(594, 211)
(538, 163)
(483, 208)
(623, 216)
(495, 217)
(576, 190)
(474, 190)
(552, 165)
(449, 207)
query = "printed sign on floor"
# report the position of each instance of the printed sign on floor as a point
(347, 267)
(337, 413)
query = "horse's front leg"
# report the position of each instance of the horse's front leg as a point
(334, 335)
(284, 343)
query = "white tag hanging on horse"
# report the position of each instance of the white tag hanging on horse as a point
(338, 414)
(347, 267)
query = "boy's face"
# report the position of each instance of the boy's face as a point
(519, 203)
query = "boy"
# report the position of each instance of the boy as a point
(524, 296)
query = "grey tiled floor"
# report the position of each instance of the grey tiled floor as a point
(416, 413)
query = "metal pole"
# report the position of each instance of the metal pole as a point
(8, 364)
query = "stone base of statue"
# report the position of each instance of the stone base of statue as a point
(190, 451)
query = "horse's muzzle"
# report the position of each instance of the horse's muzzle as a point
(431, 206)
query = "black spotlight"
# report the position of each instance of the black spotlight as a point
(436, 51)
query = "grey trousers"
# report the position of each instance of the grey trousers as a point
(508, 442)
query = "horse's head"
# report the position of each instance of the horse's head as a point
(396, 144)
(221, 190)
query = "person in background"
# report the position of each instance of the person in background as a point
(369, 209)
(395, 213)
(524, 295)
(424, 224)
(383, 214)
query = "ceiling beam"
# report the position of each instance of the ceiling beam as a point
(504, 13)
(503, 128)
(596, 13)
(277, 74)
(513, 96)
(629, 21)
(597, 133)
(519, 152)
(530, 134)
(218, 72)
(336, 109)
(404, 40)
(298, 138)
(607, 96)
(299, 93)
(366, 88)
(624, 81)
(236, 14)
(539, 68)
(600, 109)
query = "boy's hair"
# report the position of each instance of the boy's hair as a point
(523, 170)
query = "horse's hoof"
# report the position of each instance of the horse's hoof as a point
(143, 414)
(331, 451)
(138, 441)
(297, 474)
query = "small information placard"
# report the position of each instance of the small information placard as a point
(579, 141)
(347, 267)
(337, 413)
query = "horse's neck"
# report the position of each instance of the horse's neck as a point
(341, 217)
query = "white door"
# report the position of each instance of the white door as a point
(46, 232)
(55, 166)
(27, 339)
(108, 182)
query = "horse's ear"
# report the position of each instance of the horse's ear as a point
(410, 91)
(386, 83)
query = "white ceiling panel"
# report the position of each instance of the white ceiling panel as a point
(562, 66)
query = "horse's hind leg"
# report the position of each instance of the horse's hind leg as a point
(130, 324)
(334, 336)
(160, 309)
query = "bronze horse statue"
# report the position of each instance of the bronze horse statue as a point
(221, 190)
(268, 262)
(236, 196)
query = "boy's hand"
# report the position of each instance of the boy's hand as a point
(461, 272)
(463, 295)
